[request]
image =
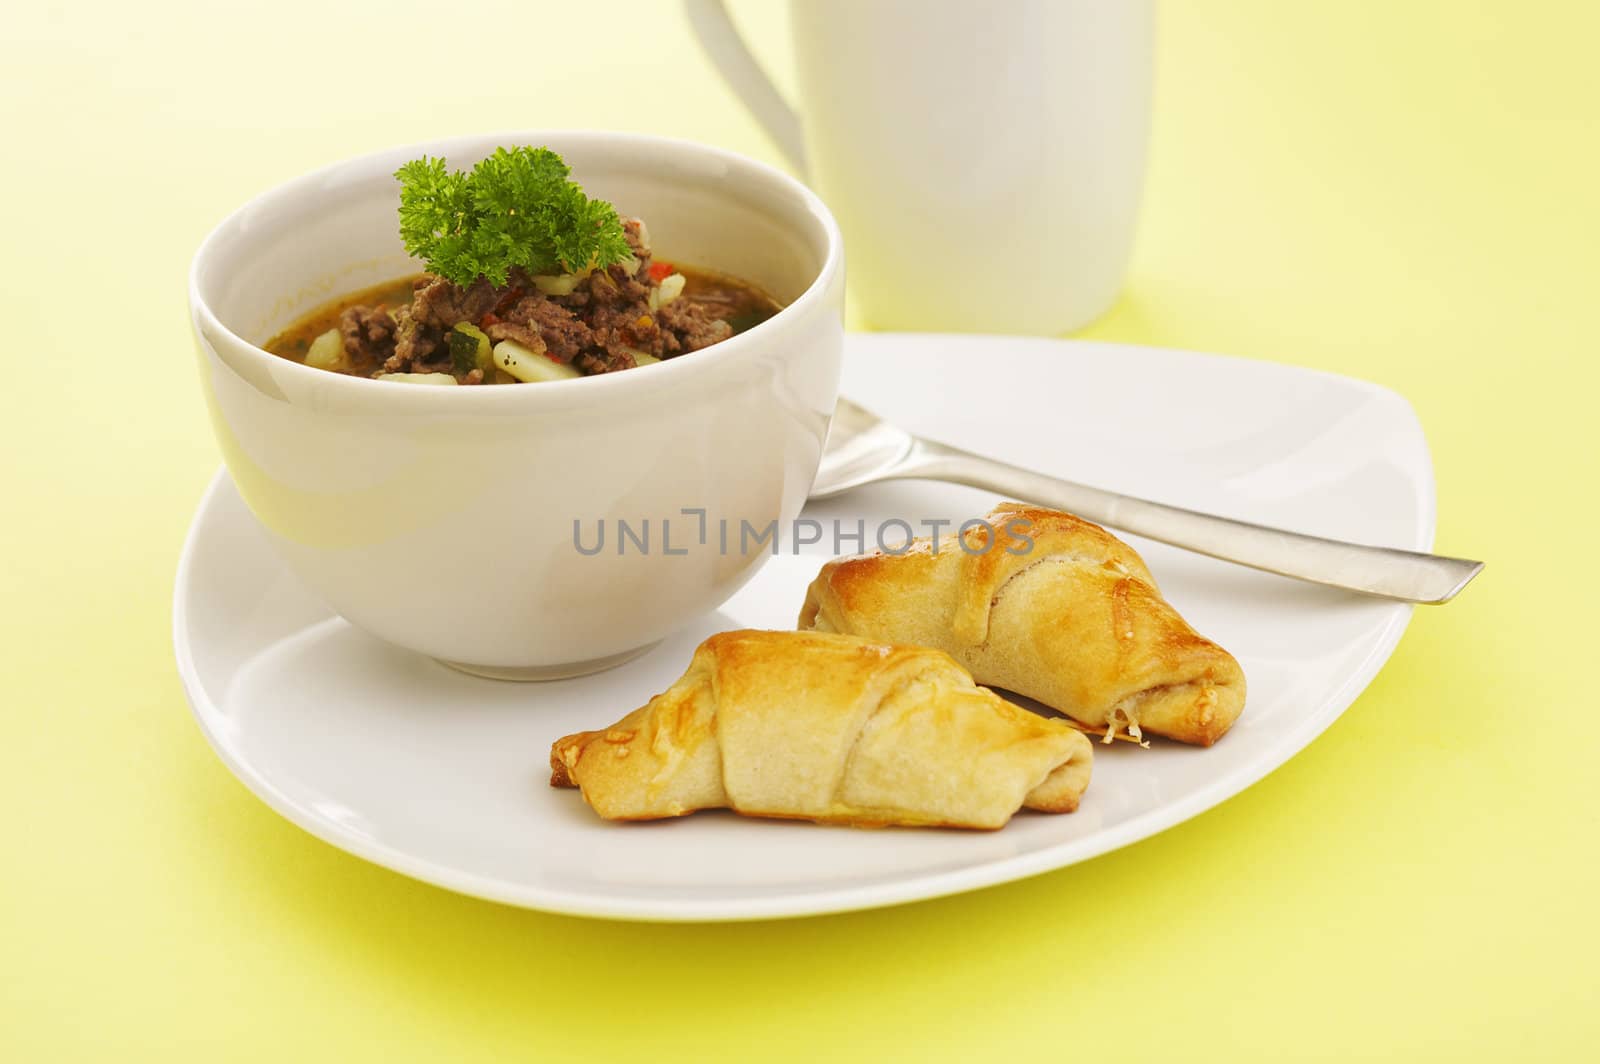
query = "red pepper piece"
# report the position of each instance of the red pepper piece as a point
(508, 300)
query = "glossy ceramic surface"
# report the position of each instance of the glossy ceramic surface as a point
(443, 776)
(987, 171)
(446, 521)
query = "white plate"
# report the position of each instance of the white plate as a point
(444, 777)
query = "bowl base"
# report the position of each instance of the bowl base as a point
(535, 673)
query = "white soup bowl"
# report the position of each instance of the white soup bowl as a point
(449, 521)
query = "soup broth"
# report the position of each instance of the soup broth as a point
(626, 334)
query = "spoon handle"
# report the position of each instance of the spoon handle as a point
(1386, 572)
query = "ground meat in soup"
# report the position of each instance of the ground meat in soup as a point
(605, 323)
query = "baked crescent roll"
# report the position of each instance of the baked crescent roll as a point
(1075, 620)
(831, 728)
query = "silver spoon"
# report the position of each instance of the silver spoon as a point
(863, 448)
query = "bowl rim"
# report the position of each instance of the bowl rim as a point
(619, 384)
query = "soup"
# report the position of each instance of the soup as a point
(528, 280)
(424, 329)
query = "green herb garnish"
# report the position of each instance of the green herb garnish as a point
(516, 208)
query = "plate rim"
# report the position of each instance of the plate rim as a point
(909, 888)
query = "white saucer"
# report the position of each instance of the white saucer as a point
(443, 776)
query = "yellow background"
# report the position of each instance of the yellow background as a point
(1402, 191)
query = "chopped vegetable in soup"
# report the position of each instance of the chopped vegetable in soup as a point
(528, 281)
(626, 325)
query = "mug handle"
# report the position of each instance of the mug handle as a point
(722, 44)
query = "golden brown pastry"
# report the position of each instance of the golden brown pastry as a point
(830, 728)
(1075, 621)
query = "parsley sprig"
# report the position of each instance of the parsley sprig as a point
(515, 208)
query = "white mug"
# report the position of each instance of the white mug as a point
(984, 160)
